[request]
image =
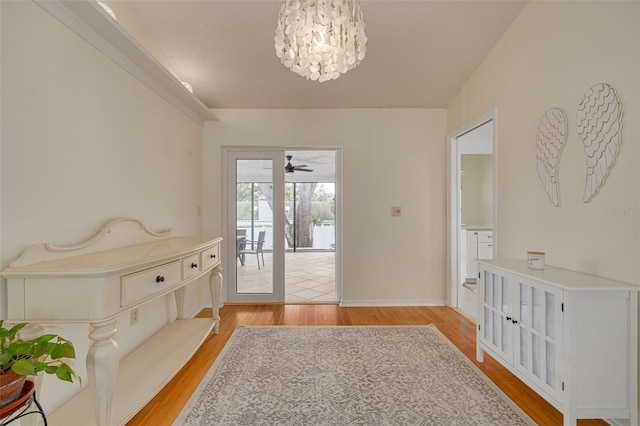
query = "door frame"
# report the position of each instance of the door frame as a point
(454, 219)
(229, 258)
(229, 231)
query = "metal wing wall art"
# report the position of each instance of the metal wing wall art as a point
(551, 138)
(599, 122)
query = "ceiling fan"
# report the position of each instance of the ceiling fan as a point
(290, 168)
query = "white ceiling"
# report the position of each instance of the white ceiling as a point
(419, 52)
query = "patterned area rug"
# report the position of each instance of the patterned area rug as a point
(343, 375)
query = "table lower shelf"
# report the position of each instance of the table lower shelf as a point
(142, 374)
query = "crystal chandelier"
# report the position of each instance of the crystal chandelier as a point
(320, 39)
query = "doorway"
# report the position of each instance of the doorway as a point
(472, 216)
(282, 225)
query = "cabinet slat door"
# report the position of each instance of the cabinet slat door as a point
(538, 339)
(496, 314)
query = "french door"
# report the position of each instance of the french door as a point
(254, 234)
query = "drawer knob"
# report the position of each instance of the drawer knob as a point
(159, 279)
(194, 265)
(213, 256)
(514, 321)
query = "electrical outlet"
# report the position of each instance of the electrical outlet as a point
(135, 316)
(396, 211)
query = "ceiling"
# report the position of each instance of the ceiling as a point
(419, 52)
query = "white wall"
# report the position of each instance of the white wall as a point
(83, 142)
(390, 157)
(549, 57)
(477, 190)
(127, 16)
(551, 54)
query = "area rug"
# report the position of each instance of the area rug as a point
(344, 375)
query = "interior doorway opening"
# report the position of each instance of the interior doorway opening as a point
(472, 193)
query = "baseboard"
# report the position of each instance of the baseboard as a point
(387, 302)
(370, 303)
(192, 314)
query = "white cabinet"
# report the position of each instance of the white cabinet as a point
(119, 269)
(479, 247)
(571, 337)
(519, 324)
(485, 245)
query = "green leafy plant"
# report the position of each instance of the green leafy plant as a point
(29, 357)
(316, 220)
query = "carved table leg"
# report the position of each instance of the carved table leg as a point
(215, 288)
(102, 367)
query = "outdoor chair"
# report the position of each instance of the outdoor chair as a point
(241, 241)
(256, 248)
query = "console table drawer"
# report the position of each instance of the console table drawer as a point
(137, 286)
(210, 257)
(190, 266)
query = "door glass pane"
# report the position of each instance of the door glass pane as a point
(496, 291)
(535, 355)
(537, 309)
(505, 329)
(487, 322)
(524, 304)
(254, 227)
(496, 328)
(550, 313)
(487, 288)
(551, 364)
(505, 294)
(524, 348)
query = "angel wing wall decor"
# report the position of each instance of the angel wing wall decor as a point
(551, 137)
(599, 123)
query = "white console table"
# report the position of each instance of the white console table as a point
(573, 338)
(118, 270)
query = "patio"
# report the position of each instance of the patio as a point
(309, 276)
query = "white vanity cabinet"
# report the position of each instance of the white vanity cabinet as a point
(120, 269)
(479, 246)
(571, 337)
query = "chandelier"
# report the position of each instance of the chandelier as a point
(320, 39)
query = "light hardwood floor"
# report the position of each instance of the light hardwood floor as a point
(165, 407)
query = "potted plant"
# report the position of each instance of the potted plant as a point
(20, 358)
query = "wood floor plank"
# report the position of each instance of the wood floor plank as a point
(165, 407)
